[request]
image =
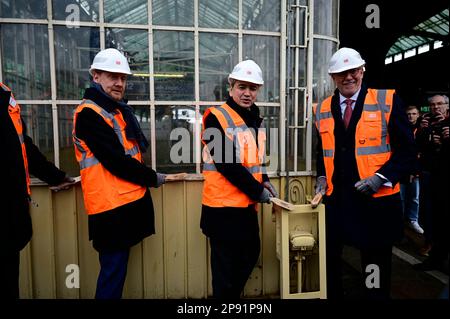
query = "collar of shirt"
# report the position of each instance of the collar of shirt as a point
(342, 101)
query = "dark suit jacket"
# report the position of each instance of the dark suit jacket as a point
(354, 218)
(15, 225)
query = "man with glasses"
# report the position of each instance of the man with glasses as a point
(365, 146)
(434, 145)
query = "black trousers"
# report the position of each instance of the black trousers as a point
(376, 267)
(9, 275)
(232, 262)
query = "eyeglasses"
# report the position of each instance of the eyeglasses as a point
(438, 104)
(353, 72)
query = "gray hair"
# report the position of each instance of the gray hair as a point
(444, 96)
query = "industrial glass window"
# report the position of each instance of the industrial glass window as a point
(23, 9)
(173, 12)
(218, 55)
(134, 44)
(261, 15)
(265, 51)
(73, 10)
(39, 126)
(129, 11)
(174, 65)
(221, 14)
(25, 60)
(75, 49)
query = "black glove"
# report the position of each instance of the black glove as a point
(65, 184)
(265, 196)
(321, 185)
(268, 185)
(160, 179)
(369, 185)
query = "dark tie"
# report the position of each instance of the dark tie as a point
(348, 112)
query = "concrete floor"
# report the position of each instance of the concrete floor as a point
(407, 283)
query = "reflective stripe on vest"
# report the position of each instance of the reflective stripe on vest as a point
(372, 148)
(14, 114)
(217, 190)
(103, 191)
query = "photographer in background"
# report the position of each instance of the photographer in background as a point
(434, 146)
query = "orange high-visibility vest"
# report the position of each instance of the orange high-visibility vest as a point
(372, 148)
(102, 190)
(14, 113)
(217, 190)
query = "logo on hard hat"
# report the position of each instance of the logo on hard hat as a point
(345, 60)
(249, 72)
(118, 62)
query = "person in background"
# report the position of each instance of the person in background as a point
(20, 158)
(108, 145)
(409, 186)
(234, 181)
(433, 140)
(365, 146)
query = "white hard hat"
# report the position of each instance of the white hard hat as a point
(345, 59)
(247, 71)
(110, 60)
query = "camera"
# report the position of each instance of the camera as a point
(435, 123)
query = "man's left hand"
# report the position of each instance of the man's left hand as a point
(66, 184)
(270, 188)
(369, 185)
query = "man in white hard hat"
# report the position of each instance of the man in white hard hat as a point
(234, 181)
(108, 145)
(365, 147)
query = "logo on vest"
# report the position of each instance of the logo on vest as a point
(12, 102)
(362, 141)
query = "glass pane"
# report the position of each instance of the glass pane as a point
(218, 56)
(67, 159)
(129, 12)
(23, 9)
(134, 43)
(261, 15)
(326, 17)
(291, 26)
(71, 11)
(39, 124)
(301, 68)
(173, 60)
(142, 113)
(175, 139)
(218, 14)
(72, 66)
(296, 137)
(271, 122)
(25, 60)
(173, 12)
(265, 51)
(323, 85)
